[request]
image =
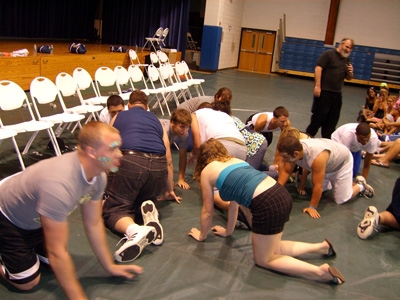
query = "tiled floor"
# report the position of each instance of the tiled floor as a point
(223, 268)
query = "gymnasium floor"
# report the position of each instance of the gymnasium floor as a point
(223, 268)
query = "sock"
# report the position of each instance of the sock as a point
(362, 187)
(132, 229)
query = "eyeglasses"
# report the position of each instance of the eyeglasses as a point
(183, 127)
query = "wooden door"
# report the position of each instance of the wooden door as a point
(256, 51)
(266, 42)
(248, 47)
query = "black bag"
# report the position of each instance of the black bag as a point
(43, 49)
(121, 49)
(77, 48)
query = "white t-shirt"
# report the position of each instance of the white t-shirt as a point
(346, 135)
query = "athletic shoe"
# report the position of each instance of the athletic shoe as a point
(135, 244)
(368, 190)
(368, 225)
(150, 218)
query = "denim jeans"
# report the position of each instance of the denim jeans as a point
(141, 177)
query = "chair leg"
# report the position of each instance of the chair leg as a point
(28, 145)
(21, 161)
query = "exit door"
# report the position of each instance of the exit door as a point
(256, 50)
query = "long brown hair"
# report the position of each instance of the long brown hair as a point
(211, 150)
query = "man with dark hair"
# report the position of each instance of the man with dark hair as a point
(115, 104)
(268, 122)
(333, 66)
(145, 173)
(177, 130)
(357, 137)
(35, 205)
(331, 165)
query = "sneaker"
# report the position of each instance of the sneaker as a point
(368, 225)
(368, 190)
(150, 218)
(135, 244)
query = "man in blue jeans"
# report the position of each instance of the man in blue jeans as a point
(145, 173)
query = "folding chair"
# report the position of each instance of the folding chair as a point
(190, 43)
(10, 134)
(68, 88)
(13, 98)
(163, 37)
(124, 80)
(106, 78)
(155, 38)
(184, 76)
(157, 89)
(44, 91)
(135, 59)
(85, 83)
(138, 79)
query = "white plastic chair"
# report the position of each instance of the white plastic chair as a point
(85, 83)
(124, 80)
(68, 88)
(138, 79)
(183, 74)
(158, 89)
(135, 59)
(106, 78)
(154, 39)
(13, 98)
(10, 134)
(44, 91)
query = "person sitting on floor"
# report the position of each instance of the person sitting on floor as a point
(268, 122)
(330, 163)
(115, 104)
(389, 218)
(392, 153)
(358, 137)
(270, 205)
(177, 130)
(146, 172)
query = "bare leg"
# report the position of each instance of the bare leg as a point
(123, 223)
(292, 248)
(266, 249)
(392, 152)
(23, 287)
(387, 219)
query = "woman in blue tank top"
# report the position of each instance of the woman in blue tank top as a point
(270, 205)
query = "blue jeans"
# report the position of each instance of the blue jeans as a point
(141, 177)
(356, 162)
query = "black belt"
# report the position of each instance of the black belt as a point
(138, 153)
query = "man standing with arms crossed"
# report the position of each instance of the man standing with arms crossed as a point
(332, 68)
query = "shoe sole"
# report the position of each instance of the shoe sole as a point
(148, 209)
(367, 226)
(131, 253)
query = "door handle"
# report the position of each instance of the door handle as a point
(244, 50)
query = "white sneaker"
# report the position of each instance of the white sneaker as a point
(150, 218)
(135, 244)
(368, 190)
(368, 225)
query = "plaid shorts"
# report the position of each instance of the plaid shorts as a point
(271, 210)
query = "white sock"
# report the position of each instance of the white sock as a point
(362, 187)
(132, 229)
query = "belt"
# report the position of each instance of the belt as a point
(231, 139)
(144, 154)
